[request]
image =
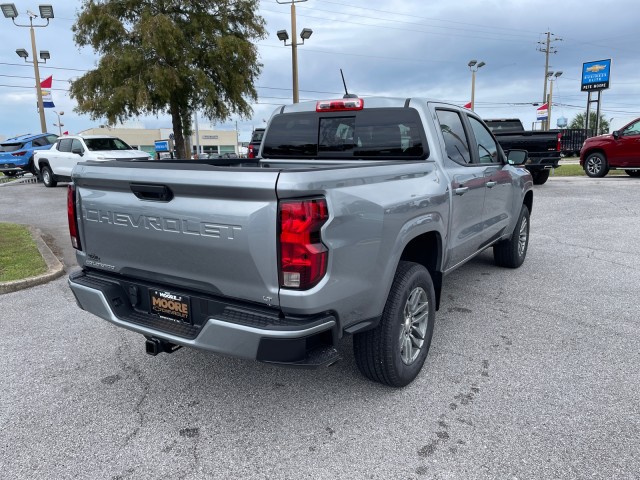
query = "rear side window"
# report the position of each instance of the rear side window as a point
(40, 142)
(394, 133)
(64, 145)
(455, 138)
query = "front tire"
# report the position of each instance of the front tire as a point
(540, 177)
(47, 177)
(394, 352)
(512, 252)
(596, 165)
(633, 173)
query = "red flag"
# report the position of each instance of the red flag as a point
(66, 133)
(467, 105)
(47, 82)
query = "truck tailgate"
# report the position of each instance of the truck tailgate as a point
(197, 227)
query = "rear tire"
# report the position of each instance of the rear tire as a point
(540, 177)
(633, 173)
(47, 177)
(596, 165)
(394, 352)
(512, 252)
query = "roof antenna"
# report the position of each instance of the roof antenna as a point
(346, 92)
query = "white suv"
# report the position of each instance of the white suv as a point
(56, 164)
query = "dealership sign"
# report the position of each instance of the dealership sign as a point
(595, 75)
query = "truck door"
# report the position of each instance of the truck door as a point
(497, 203)
(467, 184)
(627, 151)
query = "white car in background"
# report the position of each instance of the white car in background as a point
(55, 165)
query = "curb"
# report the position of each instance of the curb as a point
(55, 269)
(21, 179)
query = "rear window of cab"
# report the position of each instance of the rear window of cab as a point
(392, 133)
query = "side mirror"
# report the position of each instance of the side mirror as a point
(616, 134)
(517, 157)
(77, 151)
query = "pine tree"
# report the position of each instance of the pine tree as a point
(169, 56)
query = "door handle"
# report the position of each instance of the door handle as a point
(461, 190)
(491, 184)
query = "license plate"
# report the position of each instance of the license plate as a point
(170, 305)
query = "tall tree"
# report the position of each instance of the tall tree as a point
(169, 56)
(578, 122)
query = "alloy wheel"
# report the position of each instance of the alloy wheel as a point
(414, 325)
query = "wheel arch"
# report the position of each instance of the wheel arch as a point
(426, 250)
(42, 162)
(528, 200)
(593, 150)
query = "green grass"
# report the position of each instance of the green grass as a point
(575, 170)
(19, 255)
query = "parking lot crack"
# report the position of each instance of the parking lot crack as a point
(137, 409)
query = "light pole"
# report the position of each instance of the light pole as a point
(284, 36)
(551, 76)
(59, 124)
(474, 66)
(46, 13)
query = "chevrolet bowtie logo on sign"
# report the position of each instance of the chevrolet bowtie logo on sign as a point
(596, 68)
(595, 75)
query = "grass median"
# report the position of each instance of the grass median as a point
(575, 170)
(19, 255)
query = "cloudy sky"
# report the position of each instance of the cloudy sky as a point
(407, 48)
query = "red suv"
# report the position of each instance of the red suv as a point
(619, 150)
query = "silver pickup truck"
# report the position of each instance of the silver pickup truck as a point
(345, 224)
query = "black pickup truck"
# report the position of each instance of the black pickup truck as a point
(544, 147)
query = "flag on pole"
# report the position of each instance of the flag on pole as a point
(542, 112)
(45, 86)
(467, 105)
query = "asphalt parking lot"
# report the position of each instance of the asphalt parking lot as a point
(533, 373)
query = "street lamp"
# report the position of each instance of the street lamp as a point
(283, 36)
(46, 13)
(551, 76)
(59, 124)
(474, 66)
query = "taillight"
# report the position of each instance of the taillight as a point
(303, 257)
(72, 218)
(19, 154)
(559, 145)
(251, 153)
(344, 105)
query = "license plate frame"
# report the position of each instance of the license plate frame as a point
(170, 305)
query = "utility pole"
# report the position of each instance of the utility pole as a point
(546, 48)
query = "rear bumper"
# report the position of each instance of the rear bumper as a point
(245, 332)
(10, 167)
(543, 163)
